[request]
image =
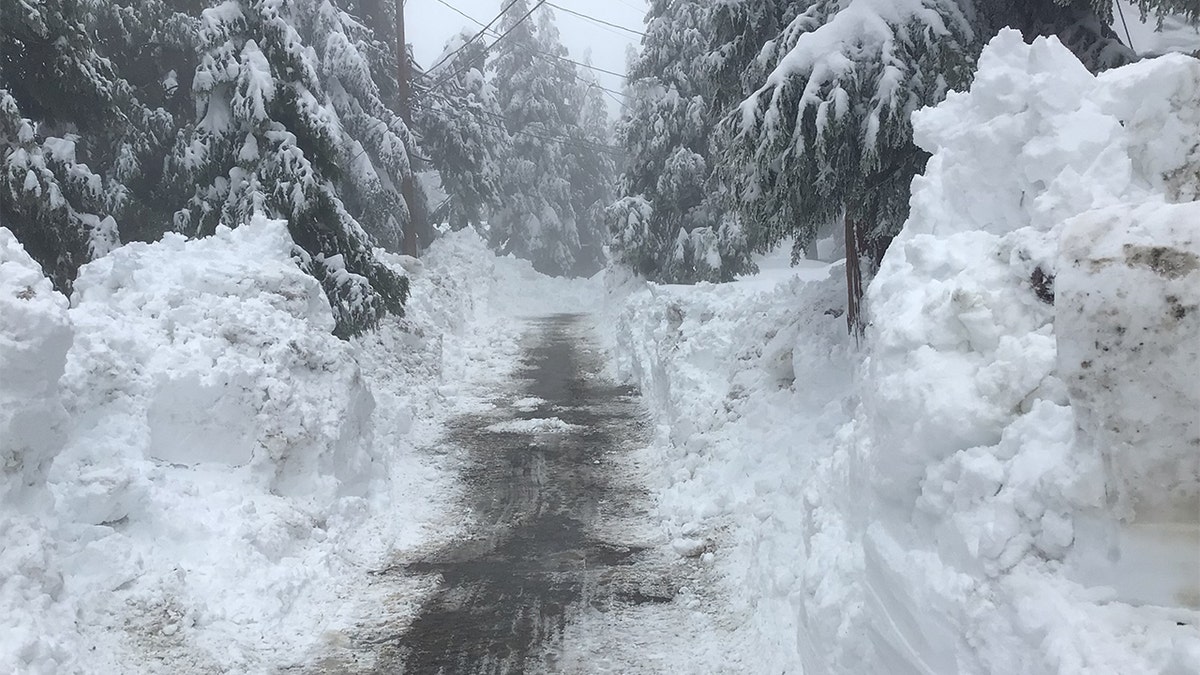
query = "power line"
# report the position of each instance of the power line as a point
(615, 99)
(556, 56)
(594, 19)
(469, 63)
(612, 94)
(583, 65)
(462, 13)
(473, 37)
(566, 141)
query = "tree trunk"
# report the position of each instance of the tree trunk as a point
(856, 245)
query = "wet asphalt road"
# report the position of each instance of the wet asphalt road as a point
(532, 560)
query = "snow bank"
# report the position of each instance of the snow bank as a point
(206, 438)
(215, 351)
(1128, 327)
(1008, 483)
(35, 335)
(748, 382)
(197, 475)
(982, 485)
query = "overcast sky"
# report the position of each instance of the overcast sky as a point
(430, 23)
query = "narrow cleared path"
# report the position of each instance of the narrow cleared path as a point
(541, 480)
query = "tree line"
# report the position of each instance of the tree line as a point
(124, 119)
(755, 121)
(744, 123)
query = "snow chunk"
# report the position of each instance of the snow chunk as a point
(976, 384)
(35, 334)
(528, 403)
(540, 425)
(215, 350)
(1128, 322)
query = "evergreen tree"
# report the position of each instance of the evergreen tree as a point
(536, 219)
(462, 130)
(593, 173)
(291, 124)
(78, 143)
(827, 137)
(670, 223)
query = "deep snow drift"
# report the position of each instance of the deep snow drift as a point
(197, 476)
(1005, 477)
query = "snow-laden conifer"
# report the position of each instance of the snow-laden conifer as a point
(593, 170)
(826, 138)
(536, 219)
(80, 144)
(689, 73)
(462, 131)
(289, 123)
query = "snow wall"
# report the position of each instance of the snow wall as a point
(1004, 479)
(1031, 390)
(189, 471)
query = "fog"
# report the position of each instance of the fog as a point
(430, 23)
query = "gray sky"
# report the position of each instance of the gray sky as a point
(430, 23)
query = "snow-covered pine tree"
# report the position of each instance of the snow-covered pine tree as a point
(290, 123)
(462, 130)
(593, 166)
(152, 43)
(827, 137)
(536, 219)
(79, 146)
(670, 222)
(379, 16)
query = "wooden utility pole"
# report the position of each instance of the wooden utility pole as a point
(404, 102)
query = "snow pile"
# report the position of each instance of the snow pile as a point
(34, 338)
(985, 497)
(216, 436)
(1009, 481)
(218, 350)
(537, 425)
(749, 382)
(197, 476)
(1128, 326)
(35, 335)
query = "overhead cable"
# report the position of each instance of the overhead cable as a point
(594, 19)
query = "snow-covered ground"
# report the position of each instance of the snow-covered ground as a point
(1004, 477)
(1148, 37)
(197, 477)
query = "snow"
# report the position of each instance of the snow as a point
(1127, 322)
(1011, 503)
(1147, 37)
(963, 494)
(747, 382)
(536, 425)
(198, 476)
(195, 476)
(34, 339)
